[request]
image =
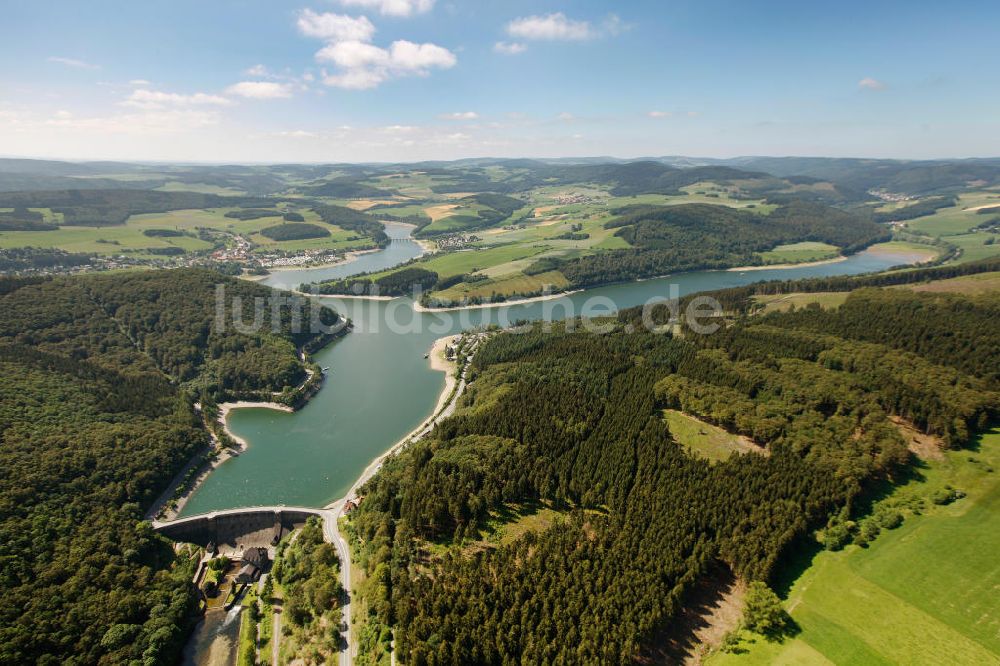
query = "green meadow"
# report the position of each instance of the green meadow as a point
(130, 238)
(792, 253)
(958, 219)
(926, 593)
(701, 438)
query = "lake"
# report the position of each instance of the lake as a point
(380, 386)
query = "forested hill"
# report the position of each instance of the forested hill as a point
(575, 420)
(690, 237)
(99, 377)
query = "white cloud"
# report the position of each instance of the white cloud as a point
(419, 58)
(260, 89)
(392, 7)
(868, 83)
(399, 129)
(460, 115)
(336, 27)
(510, 48)
(361, 64)
(139, 82)
(73, 62)
(353, 54)
(554, 27)
(259, 71)
(355, 79)
(566, 116)
(364, 66)
(659, 114)
(297, 134)
(155, 99)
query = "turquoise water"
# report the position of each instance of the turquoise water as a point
(381, 387)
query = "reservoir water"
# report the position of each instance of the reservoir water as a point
(380, 386)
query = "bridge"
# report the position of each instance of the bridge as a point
(247, 526)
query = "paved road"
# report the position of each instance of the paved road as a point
(331, 532)
(333, 511)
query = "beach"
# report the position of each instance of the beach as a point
(417, 307)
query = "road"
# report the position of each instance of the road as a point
(332, 512)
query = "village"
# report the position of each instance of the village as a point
(457, 241)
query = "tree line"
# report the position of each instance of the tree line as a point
(575, 420)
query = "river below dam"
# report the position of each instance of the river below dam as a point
(380, 386)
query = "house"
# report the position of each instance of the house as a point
(255, 560)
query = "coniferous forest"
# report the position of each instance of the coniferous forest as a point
(574, 419)
(100, 375)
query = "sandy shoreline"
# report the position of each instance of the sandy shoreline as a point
(804, 264)
(440, 363)
(417, 307)
(227, 407)
(349, 296)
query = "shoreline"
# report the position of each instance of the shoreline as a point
(226, 407)
(439, 363)
(802, 264)
(349, 296)
(349, 257)
(210, 459)
(417, 307)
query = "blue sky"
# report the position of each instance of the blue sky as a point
(387, 80)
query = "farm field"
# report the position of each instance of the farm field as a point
(129, 237)
(516, 283)
(974, 246)
(204, 188)
(782, 302)
(958, 219)
(981, 283)
(97, 240)
(924, 593)
(800, 252)
(919, 251)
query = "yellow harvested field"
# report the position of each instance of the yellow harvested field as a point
(365, 204)
(440, 211)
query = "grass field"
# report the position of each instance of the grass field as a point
(973, 285)
(957, 219)
(469, 261)
(783, 302)
(204, 188)
(96, 240)
(915, 251)
(925, 593)
(792, 253)
(702, 438)
(974, 245)
(130, 238)
(516, 283)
